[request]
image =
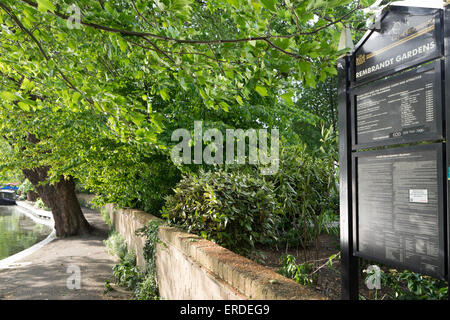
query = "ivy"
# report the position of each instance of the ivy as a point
(147, 289)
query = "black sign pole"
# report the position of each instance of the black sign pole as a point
(447, 126)
(349, 262)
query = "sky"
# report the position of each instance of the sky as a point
(419, 3)
(375, 9)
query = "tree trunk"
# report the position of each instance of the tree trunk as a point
(61, 199)
(32, 196)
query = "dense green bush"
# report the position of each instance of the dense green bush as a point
(126, 272)
(131, 179)
(238, 207)
(26, 186)
(233, 209)
(306, 189)
(41, 205)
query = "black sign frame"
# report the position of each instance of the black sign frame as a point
(406, 10)
(436, 147)
(346, 83)
(437, 65)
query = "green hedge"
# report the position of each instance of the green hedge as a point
(233, 209)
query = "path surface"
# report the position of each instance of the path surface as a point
(43, 274)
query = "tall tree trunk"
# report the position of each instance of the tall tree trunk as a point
(61, 199)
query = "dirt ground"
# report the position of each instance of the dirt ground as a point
(43, 275)
(328, 280)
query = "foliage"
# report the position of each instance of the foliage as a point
(304, 273)
(306, 189)
(214, 47)
(116, 245)
(231, 208)
(301, 273)
(41, 205)
(103, 98)
(81, 188)
(126, 272)
(105, 216)
(147, 288)
(150, 232)
(8, 172)
(26, 187)
(130, 178)
(407, 285)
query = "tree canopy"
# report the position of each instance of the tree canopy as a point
(101, 85)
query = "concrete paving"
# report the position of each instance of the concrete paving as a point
(51, 272)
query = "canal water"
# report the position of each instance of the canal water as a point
(18, 231)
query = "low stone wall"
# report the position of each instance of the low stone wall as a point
(190, 267)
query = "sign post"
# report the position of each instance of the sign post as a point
(394, 174)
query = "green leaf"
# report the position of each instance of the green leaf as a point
(234, 3)
(225, 106)
(269, 4)
(287, 97)
(27, 85)
(261, 90)
(123, 44)
(8, 96)
(76, 97)
(164, 94)
(282, 43)
(45, 5)
(24, 106)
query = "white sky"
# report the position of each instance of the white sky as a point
(419, 3)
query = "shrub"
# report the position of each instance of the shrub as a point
(116, 245)
(133, 180)
(147, 288)
(25, 187)
(233, 209)
(41, 205)
(126, 272)
(407, 285)
(306, 189)
(301, 273)
(105, 215)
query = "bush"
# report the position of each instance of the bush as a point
(407, 285)
(130, 179)
(25, 187)
(306, 189)
(105, 216)
(116, 245)
(41, 205)
(234, 209)
(126, 272)
(147, 288)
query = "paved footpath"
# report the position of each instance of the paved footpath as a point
(43, 275)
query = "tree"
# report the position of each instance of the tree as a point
(131, 71)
